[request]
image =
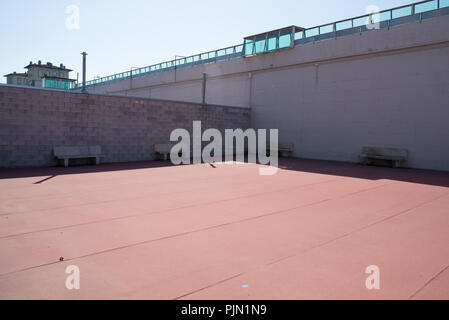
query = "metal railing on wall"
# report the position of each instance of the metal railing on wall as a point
(372, 18)
(202, 58)
(237, 50)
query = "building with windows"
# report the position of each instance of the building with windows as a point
(43, 75)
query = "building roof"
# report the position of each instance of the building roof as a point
(16, 74)
(48, 65)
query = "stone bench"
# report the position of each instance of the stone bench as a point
(285, 151)
(66, 153)
(163, 150)
(396, 156)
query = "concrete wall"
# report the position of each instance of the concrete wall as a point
(335, 109)
(33, 121)
(386, 87)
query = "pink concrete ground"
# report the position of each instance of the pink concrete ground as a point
(155, 231)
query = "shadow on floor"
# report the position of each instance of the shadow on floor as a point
(354, 170)
(343, 169)
(51, 172)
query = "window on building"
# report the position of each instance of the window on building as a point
(260, 44)
(270, 41)
(285, 39)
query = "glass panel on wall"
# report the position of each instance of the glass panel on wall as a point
(444, 3)
(285, 39)
(249, 44)
(272, 43)
(299, 35)
(382, 16)
(402, 12)
(359, 22)
(260, 44)
(427, 6)
(312, 32)
(60, 84)
(344, 25)
(327, 29)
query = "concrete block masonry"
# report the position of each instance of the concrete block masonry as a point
(33, 121)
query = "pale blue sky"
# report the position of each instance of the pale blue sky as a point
(119, 34)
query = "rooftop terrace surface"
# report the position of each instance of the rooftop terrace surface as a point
(155, 231)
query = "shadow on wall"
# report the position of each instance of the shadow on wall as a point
(343, 169)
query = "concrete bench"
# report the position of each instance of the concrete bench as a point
(396, 156)
(66, 153)
(285, 150)
(163, 150)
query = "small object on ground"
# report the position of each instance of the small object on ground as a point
(61, 258)
(245, 285)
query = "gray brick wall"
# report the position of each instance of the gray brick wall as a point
(33, 121)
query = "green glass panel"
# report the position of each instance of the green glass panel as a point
(285, 39)
(427, 6)
(272, 41)
(327, 29)
(248, 47)
(260, 44)
(311, 32)
(299, 35)
(344, 25)
(402, 12)
(382, 16)
(360, 21)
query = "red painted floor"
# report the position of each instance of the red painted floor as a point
(154, 231)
